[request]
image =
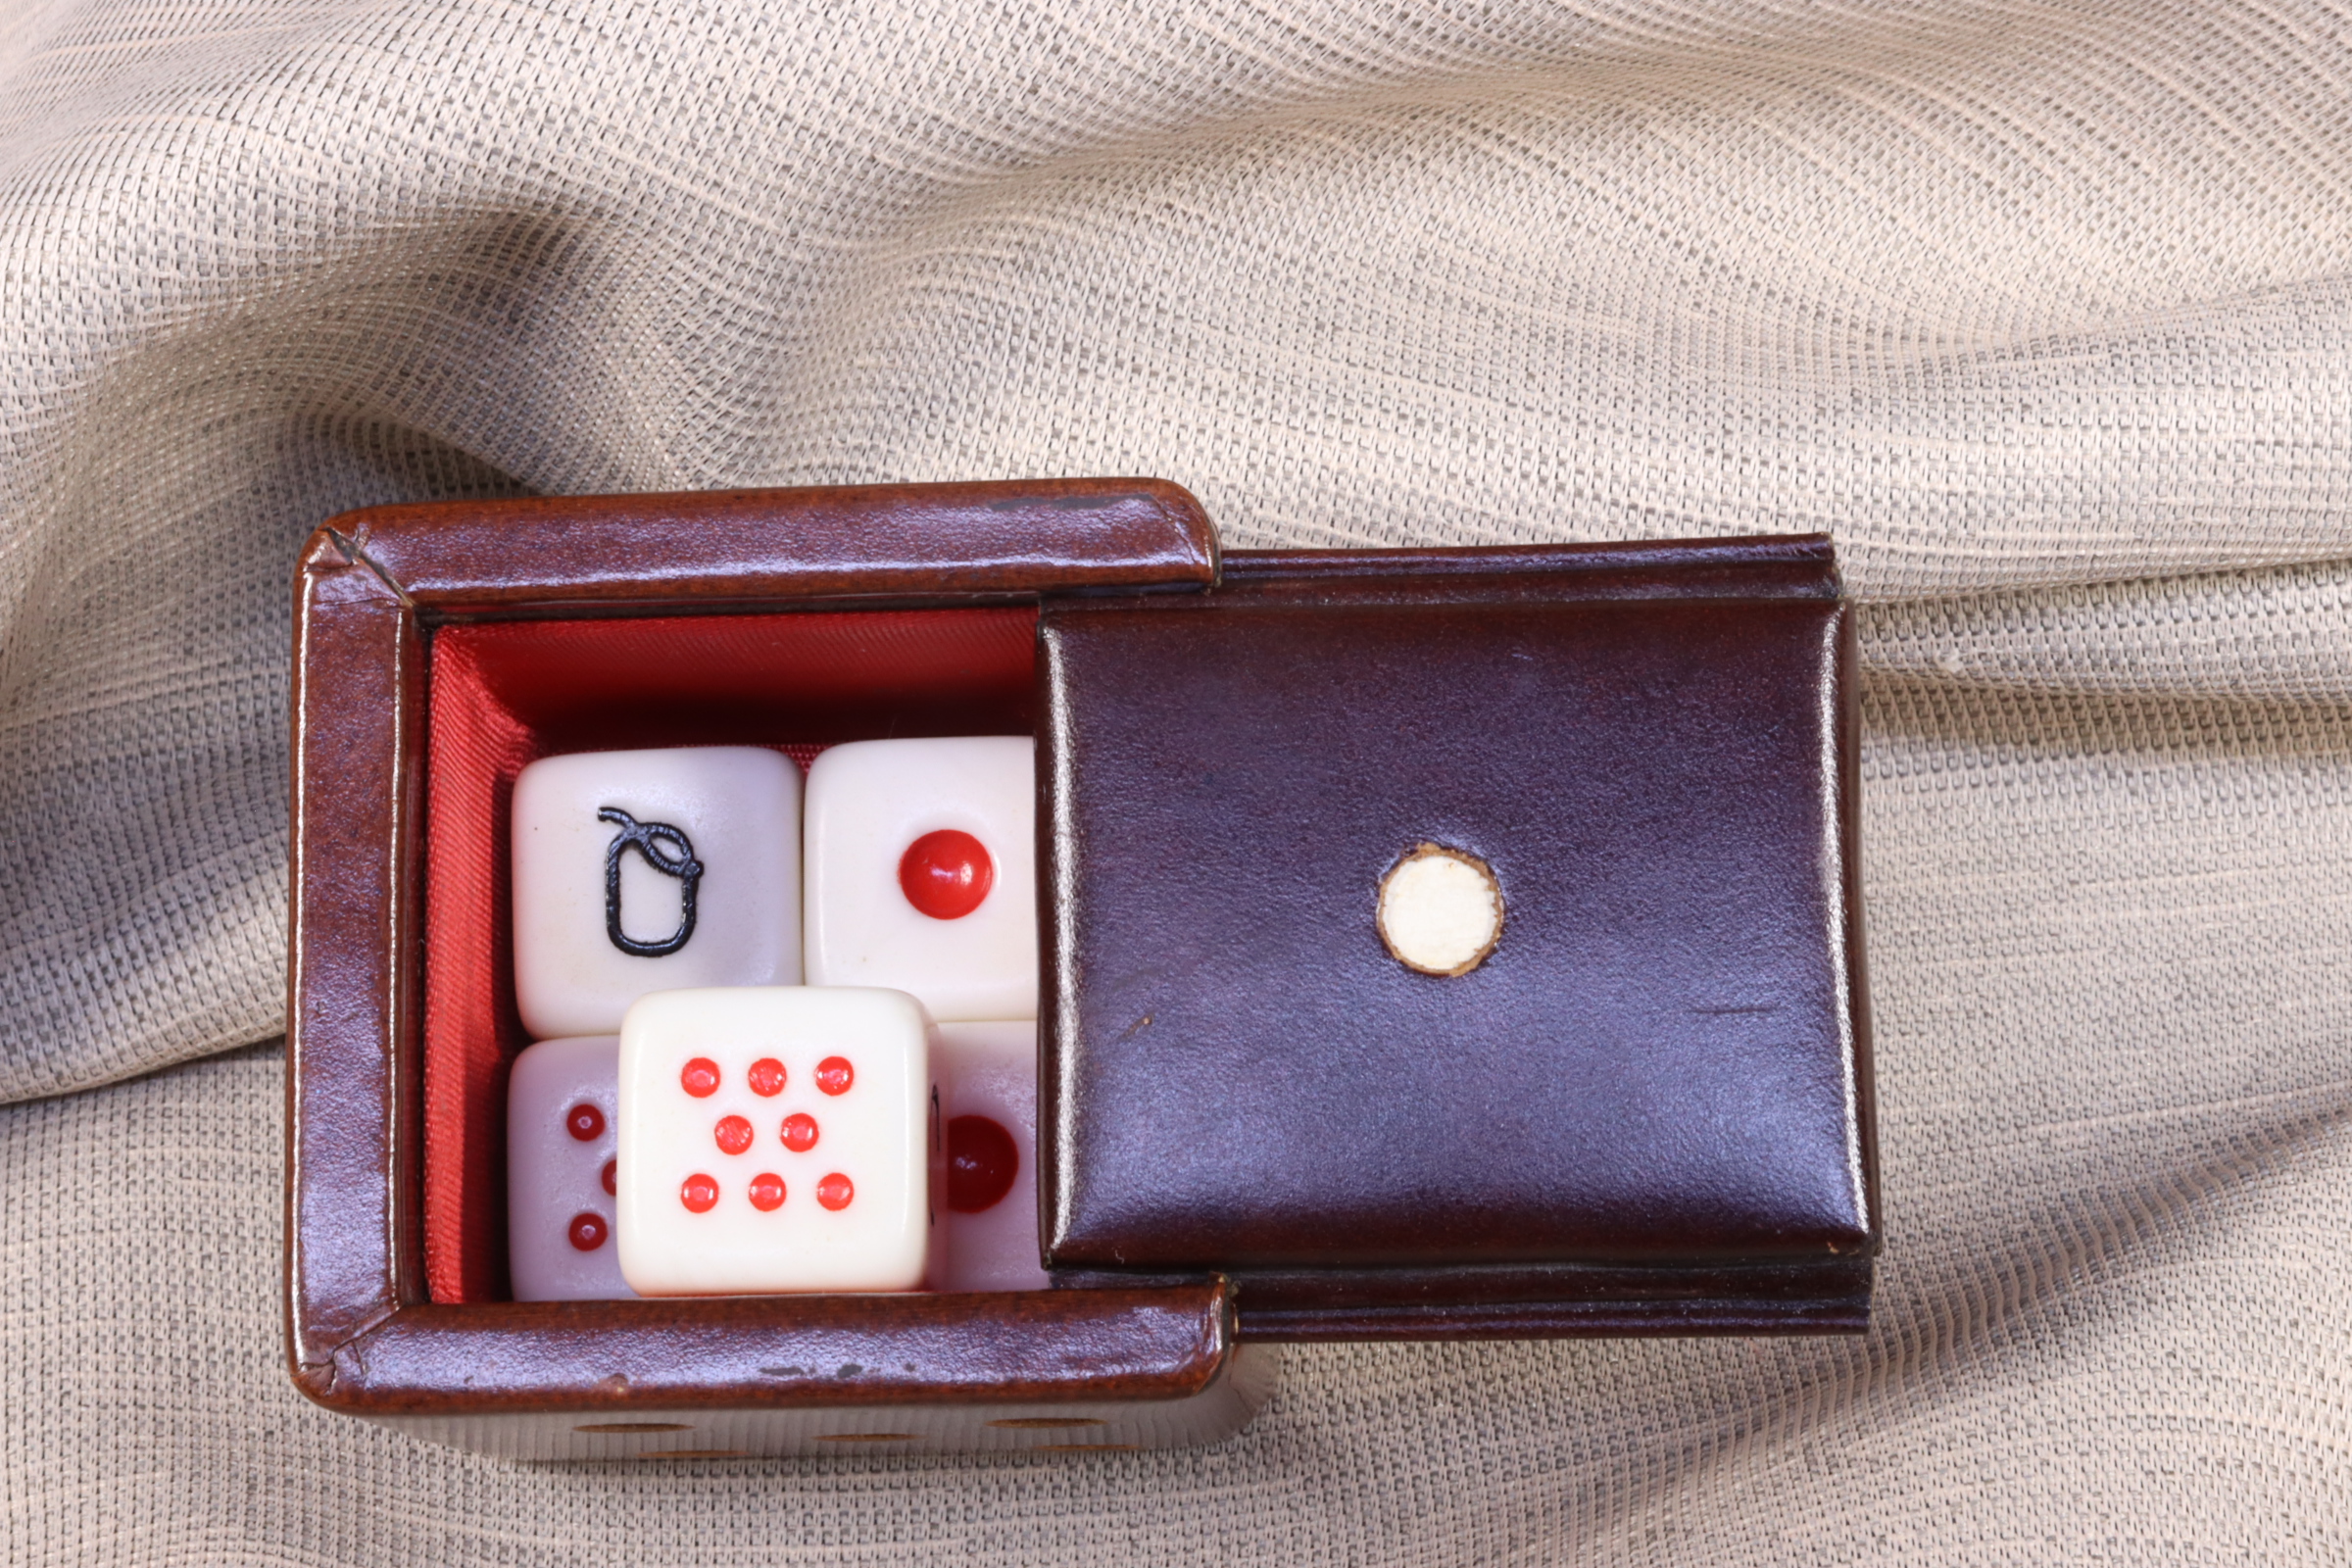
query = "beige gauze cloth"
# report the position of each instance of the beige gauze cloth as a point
(2044, 310)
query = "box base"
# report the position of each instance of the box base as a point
(1532, 1301)
(628, 1433)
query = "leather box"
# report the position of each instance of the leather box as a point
(1645, 1112)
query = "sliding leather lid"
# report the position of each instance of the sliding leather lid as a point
(1646, 1107)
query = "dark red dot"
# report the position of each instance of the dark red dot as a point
(947, 875)
(834, 1075)
(733, 1134)
(767, 1192)
(765, 1076)
(699, 1192)
(834, 1192)
(584, 1122)
(587, 1232)
(800, 1132)
(612, 1175)
(699, 1077)
(982, 1162)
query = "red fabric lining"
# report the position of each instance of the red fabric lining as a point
(504, 694)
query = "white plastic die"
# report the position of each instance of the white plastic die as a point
(563, 1113)
(653, 870)
(986, 1074)
(922, 873)
(776, 1138)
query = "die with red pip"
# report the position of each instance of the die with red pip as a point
(562, 1142)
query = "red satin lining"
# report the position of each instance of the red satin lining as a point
(503, 695)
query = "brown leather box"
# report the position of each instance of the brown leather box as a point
(1646, 1111)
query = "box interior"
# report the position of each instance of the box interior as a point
(504, 694)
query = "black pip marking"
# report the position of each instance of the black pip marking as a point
(653, 841)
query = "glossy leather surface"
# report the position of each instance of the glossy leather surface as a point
(353, 1250)
(708, 549)
(825, 1352)
(1663, 1064)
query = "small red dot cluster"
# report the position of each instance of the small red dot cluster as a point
(587, 1231)
(700, 1194)
(701, 1077)
(734, 1135)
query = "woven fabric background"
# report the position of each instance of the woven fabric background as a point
(2044, 309)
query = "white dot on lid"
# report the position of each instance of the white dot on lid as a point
(1440, 910)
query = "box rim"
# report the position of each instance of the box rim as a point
(368, 589)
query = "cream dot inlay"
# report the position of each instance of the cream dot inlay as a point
(1440, 910)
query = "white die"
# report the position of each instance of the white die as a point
(776, 1138)
(608, 847)
(987, 1075)
(873, 808)
(562, 1116)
